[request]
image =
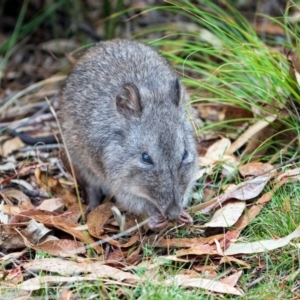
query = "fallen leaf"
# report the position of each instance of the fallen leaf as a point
(261, 246)
(221, 241)
(182, 242)
(255, 168)
(58, 247)
(249, 133)
(53, 204)
(15, 237)
(227, 215)
(11, 145)
(244, 191)
(207, 284)
(6, 259)
(100, 273)
(98, 217)
(231, 259)
(233, 279)
(52, 185)
(24, 202)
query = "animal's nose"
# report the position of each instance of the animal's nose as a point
(173, 212)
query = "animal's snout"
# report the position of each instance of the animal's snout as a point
(173, 212)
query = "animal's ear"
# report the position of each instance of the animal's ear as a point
(128, 101)
(177, 92)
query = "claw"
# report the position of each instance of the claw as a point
(185, 218)
(157, 222)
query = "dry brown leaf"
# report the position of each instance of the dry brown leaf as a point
(204, 249)
(255, 168)
(227, 215)
(59, 46)
(201, 250)
(52, 185)
(207, 284)
(67, 294)
(182, 242)
(98, 217)
(294, 57)
(101, 220)
(56, 247)
(219, 112)
(52, 219)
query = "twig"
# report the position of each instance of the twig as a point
(255, 282)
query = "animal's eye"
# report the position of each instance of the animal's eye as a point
(185, 155)
(145, 158)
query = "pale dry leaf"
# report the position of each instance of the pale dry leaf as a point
(207, 284)
(24, 202)
(65, 267)
(215, 153)
(35, 232)
(261, 246)
(249, 133)
(11, 145)
(53, 204)
(227, 215)
(244, 191)
(8, 258)
(289, 173)
(102, 273)
(233, 279)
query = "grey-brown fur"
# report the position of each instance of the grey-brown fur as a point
(122, 100)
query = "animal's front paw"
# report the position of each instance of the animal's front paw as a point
(157, 222)
(185, 218)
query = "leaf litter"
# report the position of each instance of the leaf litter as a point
(52, 219)
(53, 226)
